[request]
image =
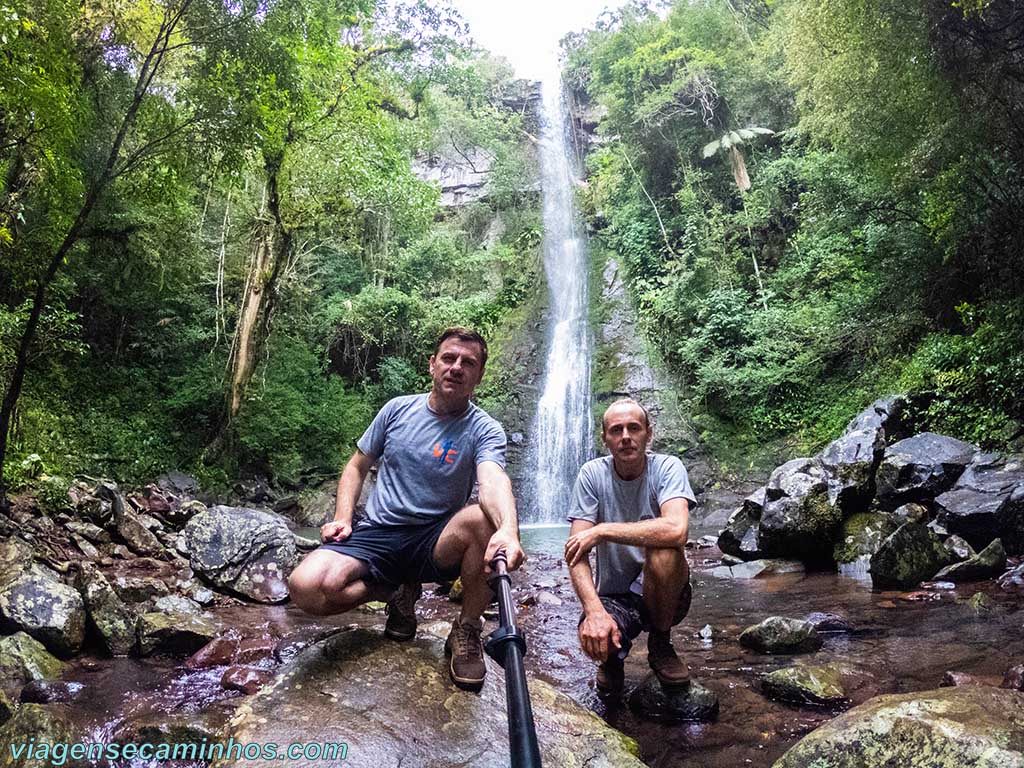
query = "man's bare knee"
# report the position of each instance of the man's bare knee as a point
(665, 560)
(316, 584)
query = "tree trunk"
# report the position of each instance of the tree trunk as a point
(270, 248)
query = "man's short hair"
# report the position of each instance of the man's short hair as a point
(463, 334)
(626, 401)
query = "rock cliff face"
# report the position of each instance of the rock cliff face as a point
(623, 367)
(462, 172)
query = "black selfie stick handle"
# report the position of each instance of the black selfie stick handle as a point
(507, 646)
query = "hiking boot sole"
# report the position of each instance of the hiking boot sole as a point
(399, 636)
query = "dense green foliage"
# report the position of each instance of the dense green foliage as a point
(877, 247)
(271, 155)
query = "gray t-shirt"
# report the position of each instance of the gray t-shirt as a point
(601, 496)
(427, 461)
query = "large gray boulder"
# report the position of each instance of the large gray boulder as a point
(112, 619)
(912, 554)
(799, 518)
(988, 563)
(739, 537)
(978, 726)
(987, 501)
(880, 417)
(247, 551)
(921, 467)
(393, 704)
(38, 603)
(850, 462)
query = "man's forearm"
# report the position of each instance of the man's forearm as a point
(583, 582)
(350, 484)
(498, 503)
(660, 532)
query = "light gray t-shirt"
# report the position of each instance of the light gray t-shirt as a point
(601, 496)
(427, 461)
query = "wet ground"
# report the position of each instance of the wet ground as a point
(902, 642)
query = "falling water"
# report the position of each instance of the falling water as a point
(562, 440)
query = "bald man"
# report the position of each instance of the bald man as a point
(633, 508)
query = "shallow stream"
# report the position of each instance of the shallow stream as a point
(902, 642)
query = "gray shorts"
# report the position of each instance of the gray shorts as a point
(630, 614)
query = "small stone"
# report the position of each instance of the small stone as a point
(829, 622)
(980, 603)
(177, 604)
(1014, 678)
(51, 692)
(955, 679)
(546, 598)
(248, 680)
(959, 547)
(455, 593)
(219, 652)
(706, 632)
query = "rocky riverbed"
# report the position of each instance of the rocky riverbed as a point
(874, 642)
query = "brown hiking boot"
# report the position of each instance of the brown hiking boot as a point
(401, 611)
(611, 676)
(670, 671)
(467, 667)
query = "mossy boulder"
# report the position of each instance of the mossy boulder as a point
(778, 634)
(174, 633)
(246, 551)
(977, 726)
(693, 703)
(862, 534)
(44, 726)
(819, 686)
(987, 564)
(113, 620)
(912, 554)
(23, 659)
(799, 519)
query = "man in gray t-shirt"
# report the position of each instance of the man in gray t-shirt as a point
(632, 507)
(431, 450)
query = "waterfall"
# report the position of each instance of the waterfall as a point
(562, 428)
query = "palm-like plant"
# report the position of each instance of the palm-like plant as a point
(730, 143)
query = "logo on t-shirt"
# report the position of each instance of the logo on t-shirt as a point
(445, 452)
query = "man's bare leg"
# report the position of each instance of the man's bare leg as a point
(327, 583)
(464, 541)
(666, 574)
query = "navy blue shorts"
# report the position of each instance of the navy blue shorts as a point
(397, 554)
(630, 614)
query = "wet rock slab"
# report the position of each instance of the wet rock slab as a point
(945, 728)
(754, 569)
(693, 703)
(393, 704)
